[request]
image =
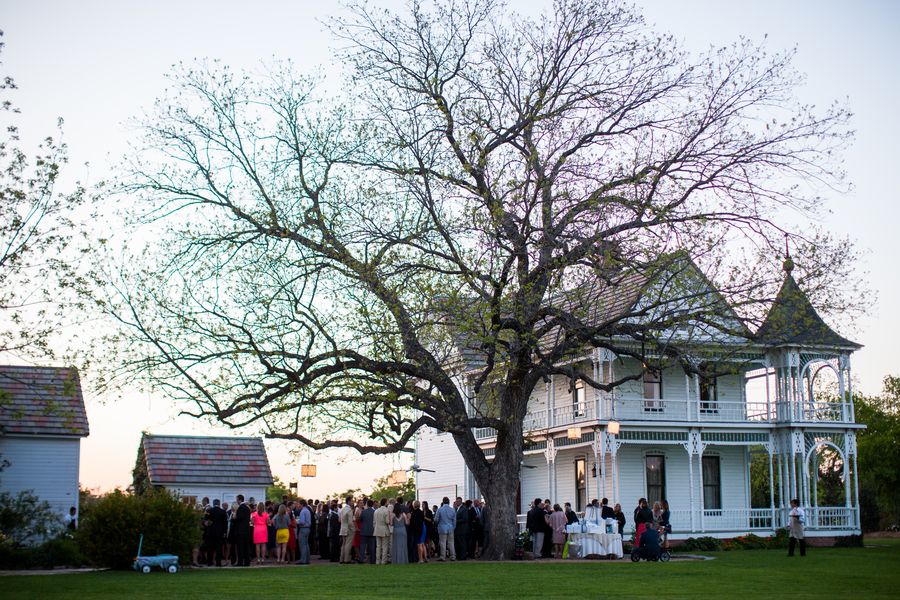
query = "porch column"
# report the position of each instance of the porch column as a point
(551, 401)
(846, 466)
(599, 459)
(769, 415)
(697, 396)
(851, 446)
(700, 464)
(689, 448)
(550, 455)
(770, 448)
(687, 397)
(614, 461)
(595, 359)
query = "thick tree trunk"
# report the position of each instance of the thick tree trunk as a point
(500, 497)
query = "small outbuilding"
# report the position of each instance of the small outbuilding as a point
(197, 467)
(42, 421)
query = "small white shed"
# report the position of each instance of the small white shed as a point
(197, 467)
(42, 421)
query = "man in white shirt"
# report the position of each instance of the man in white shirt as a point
(798, 520)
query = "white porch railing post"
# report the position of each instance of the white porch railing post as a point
(771, 450)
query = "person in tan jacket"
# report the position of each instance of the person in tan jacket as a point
(348, 529)
(382, 533)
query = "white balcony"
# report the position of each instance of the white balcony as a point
(636, 408)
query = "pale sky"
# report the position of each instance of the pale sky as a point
(97, 64)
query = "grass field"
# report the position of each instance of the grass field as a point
(869, 572)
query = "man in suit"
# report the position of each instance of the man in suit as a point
(534, 522)
(606, 512)
(347, 531)
(382, 532)
(474, 529)
(218, 525)
(241, 525)
(461, 533)
(334, 531)
(367, 533)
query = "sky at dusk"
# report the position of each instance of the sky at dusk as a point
(99, 64)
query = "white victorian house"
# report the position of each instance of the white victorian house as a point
(685, 437)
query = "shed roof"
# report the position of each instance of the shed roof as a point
(793, 320)
(175, 459)
(41, 401)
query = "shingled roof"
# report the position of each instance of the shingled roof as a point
(41, 401)
(792, 320)
(176, 459)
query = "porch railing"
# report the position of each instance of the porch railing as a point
(822, 517)
(636, 408)
(748, 520)
(680, 409)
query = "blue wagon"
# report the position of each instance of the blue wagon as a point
(144, 564)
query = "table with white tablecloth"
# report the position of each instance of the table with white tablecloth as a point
(602, 544)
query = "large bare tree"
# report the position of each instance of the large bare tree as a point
(475, 206)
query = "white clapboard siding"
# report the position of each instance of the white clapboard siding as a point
(47, 465)
(438, 451)
(534, 480)
(224, 493)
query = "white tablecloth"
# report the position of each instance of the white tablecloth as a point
(598, 543)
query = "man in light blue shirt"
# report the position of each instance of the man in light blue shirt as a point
(445, 520)
(304, 522)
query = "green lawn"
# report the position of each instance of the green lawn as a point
(825, 573)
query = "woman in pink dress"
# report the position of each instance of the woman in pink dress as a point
(260, 532)
(557, 521)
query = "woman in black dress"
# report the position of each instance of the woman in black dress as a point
(417, 525)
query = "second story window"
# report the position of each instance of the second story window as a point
(709, 404)
(653, 391)
(578, 398)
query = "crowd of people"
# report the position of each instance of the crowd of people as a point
(546, 522)
(356, 531)
(386, 531)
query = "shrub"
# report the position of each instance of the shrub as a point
(26, 520)
(700, 544)
(746, 542)
(108, 534)
(62, 551)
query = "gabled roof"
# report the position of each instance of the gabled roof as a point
(176, 459)
(41, 401)
(792, 320)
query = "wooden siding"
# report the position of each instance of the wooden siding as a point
(438, 451)
(48, 466)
